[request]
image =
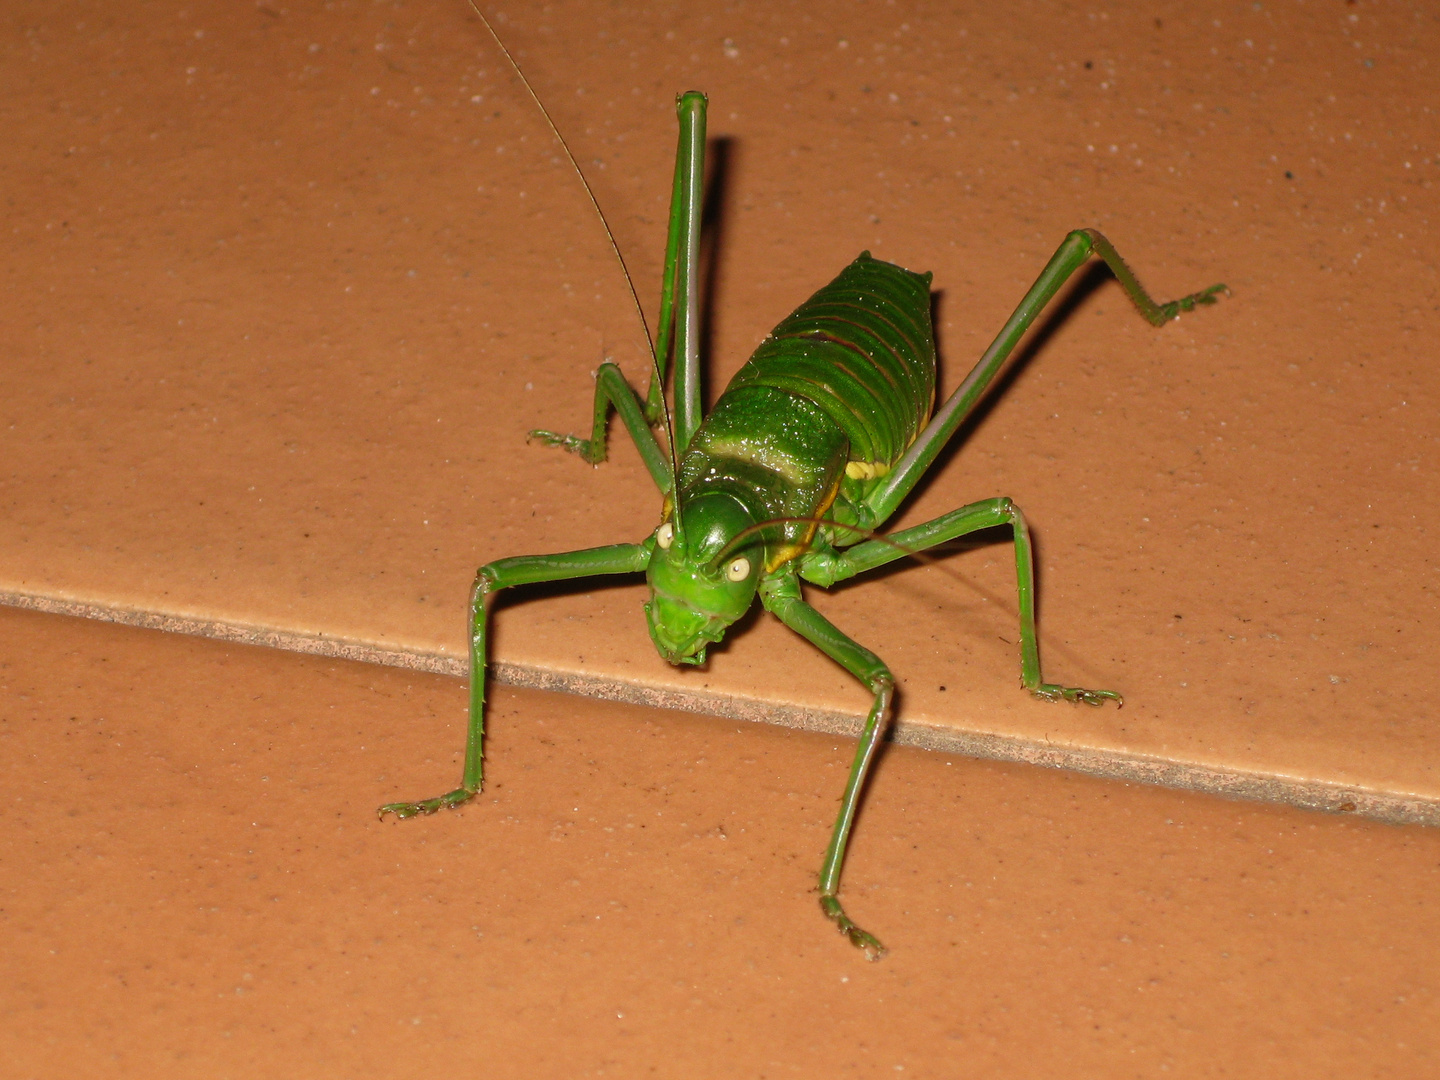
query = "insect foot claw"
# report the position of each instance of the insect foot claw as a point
(404, 810)
(1051, 692)
(866, 942)
(1175, 308)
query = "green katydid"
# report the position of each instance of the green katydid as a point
(811, 448)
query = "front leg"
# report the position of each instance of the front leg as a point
(502, 574)
(780, 594)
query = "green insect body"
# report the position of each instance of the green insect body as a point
(828, 403)
(814, 444)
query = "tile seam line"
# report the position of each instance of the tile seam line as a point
(1392, 807)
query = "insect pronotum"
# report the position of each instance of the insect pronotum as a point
(811, 448)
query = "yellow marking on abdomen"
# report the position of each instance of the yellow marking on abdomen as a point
(866, 470)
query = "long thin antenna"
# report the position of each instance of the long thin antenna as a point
(604, 224)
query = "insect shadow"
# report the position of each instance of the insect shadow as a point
(1082, 287)
(714, 215)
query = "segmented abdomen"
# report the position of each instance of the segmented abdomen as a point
(862, 350)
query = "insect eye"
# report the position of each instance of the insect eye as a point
(738, 570)
(664, 535)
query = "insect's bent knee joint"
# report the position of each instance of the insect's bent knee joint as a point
(485, 582)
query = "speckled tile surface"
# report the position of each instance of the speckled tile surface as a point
(285, 288)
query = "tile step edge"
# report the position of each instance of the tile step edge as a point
(1387, 806)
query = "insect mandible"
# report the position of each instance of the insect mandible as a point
(813, 445)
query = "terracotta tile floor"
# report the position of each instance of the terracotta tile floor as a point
(286, 288)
